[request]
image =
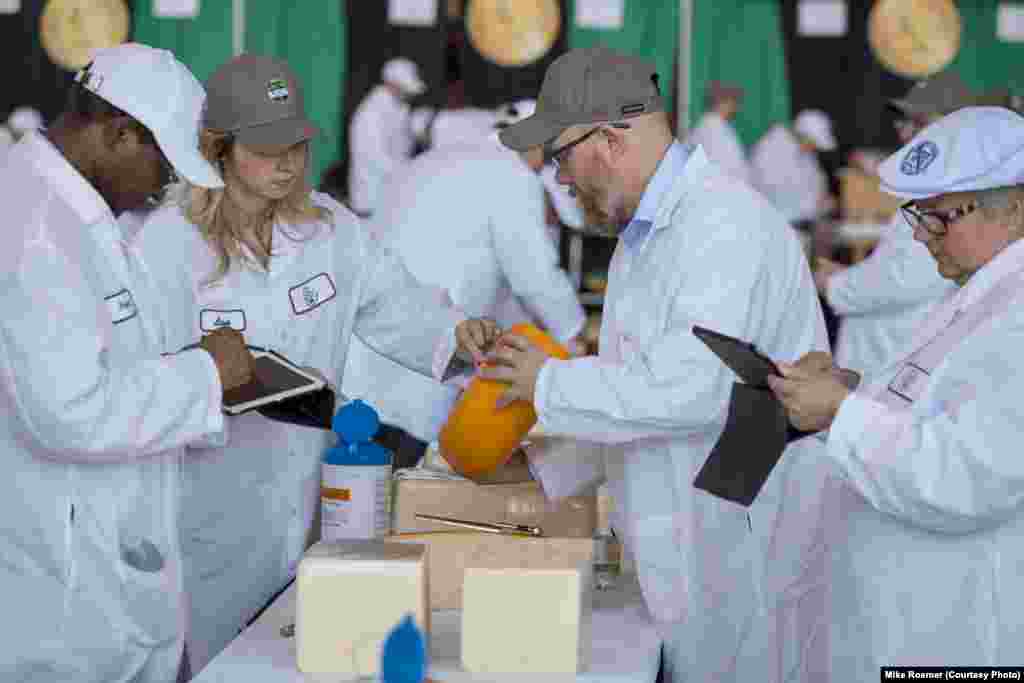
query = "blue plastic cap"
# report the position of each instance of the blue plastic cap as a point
(404, 656)
(355, 422)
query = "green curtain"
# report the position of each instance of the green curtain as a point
(650, 30)
(740, 43)
(310, 35)
(984, 61)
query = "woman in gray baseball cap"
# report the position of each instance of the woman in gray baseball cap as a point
(296, 272)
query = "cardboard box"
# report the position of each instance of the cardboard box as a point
(522, 503)
(450, 552)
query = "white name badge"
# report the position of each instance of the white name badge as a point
(312, 293)
(121, 306)
(909, 382)
(211, 319)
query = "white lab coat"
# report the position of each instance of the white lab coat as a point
(93, 422)
(926, 519)
(248, 508)
(469, 221)
(453, 126)
(884, 298)
(722, 145)
(789, 177)
(380, 141)
(717, 256)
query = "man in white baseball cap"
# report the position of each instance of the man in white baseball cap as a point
(94, 414)
(381, 137)
(926, 518)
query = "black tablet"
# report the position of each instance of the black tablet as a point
(743, 358)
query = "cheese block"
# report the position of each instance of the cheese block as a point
(526, 620)
(450, 552)
(350, 595)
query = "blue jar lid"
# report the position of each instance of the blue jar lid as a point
(356, 422)
(404, 655)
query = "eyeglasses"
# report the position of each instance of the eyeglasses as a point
(560, 155)
(935, 223)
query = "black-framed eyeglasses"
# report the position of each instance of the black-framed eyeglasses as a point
(935, 223)
(559, 155)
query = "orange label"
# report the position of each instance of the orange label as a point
(335, 494)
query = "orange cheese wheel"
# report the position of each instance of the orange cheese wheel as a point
(477, 438)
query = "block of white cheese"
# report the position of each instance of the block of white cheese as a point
(350, 595)
(526, 620)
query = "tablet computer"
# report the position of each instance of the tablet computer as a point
(743, 358)
(274, 379)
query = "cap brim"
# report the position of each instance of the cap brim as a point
(278, 135)
(530, 132)
(182, 150)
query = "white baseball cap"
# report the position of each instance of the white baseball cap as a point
(24, 119)
(514, 112)
(975, 148)
(6, 138)
(157, 90)
(403, 73)
(815, 125)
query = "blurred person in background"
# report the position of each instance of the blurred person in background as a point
(381, 139)
(715, 133)
(24, 120)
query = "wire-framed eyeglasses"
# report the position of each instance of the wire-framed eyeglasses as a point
(935, 223)
(560, 155)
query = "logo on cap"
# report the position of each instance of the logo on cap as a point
(277, 90)
(919, 158)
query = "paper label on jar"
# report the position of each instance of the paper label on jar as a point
(354, 502)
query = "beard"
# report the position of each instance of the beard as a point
(600, 214)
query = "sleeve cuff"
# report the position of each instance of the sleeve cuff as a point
(447, 365)
(540, 391)
(215, 422)
(848, 425)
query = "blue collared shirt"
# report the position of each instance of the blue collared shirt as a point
(669, 168)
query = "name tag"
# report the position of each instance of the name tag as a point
(312, 293)
(121, 306)
(211, 319)
(909, 382)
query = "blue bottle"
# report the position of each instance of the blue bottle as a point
(355, 483)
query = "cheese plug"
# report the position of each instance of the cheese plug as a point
(404, 656)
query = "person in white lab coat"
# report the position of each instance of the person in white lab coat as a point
(468, 220)
(714, 131)
(93, 417)
(381, 138)
(297, 273)
(784, 166)
(696, 247)
(883, 299)
(926, 509)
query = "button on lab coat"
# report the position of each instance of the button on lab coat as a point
(93, 423)
(717, 256)
(884, 298)
(789, 177)
(248, 508)
(380, 141)
(721, 144)
(927, 516)
(468, 220)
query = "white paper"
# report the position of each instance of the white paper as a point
(602, 14)
(176, 9)
(1010, 22)
(818, 18)
(10, 6)
(412, 12)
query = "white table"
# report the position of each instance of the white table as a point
(626, 647)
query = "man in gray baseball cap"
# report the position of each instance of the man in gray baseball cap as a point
(696, 246)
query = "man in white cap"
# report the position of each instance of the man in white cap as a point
(381, 138)
(695, 247)
(784, 166)
(926, 510)
(24, 120)
(469, 220)
(883, 298)
(714, 131)
(94, 417)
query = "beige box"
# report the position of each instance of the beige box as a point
(522, 503)
(526, 620)
(350, 596)
(450, 552)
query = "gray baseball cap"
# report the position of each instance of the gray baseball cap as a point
(942, 94)
(259, 100)
(587, 85)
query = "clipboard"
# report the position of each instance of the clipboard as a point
(743, 358)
